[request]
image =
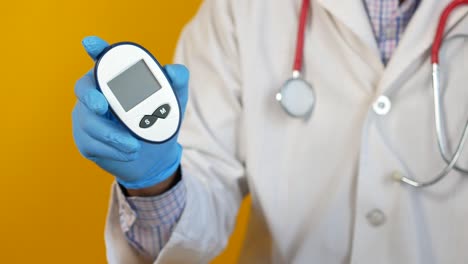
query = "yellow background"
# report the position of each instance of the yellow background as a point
(53, 202)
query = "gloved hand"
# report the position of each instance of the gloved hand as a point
(101, 138)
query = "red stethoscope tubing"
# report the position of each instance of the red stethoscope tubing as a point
(435, 47)
(437, 43)
(300, 36)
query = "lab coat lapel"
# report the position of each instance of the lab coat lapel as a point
(353, 14)
(417, 40)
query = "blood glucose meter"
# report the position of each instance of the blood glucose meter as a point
(138, 92)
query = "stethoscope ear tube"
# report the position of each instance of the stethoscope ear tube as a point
(439, 36)
(441, 140)
(451, 162)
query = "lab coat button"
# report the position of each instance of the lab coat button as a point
(376, 217)
(382, 105)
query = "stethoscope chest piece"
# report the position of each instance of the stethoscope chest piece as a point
(297, 97)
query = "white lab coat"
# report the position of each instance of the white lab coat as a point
(321, 189)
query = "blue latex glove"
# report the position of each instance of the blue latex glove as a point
(101, 138)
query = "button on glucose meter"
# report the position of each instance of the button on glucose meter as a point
(134, 84)
(161, 112)
(148, 121)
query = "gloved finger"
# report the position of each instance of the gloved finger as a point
(94, 46)
(94, 149)
(106, 131)
(179, 76)
(86, 92)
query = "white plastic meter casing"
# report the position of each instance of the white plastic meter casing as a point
(147, 107)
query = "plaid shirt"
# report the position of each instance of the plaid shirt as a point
(147, 222)
(389, 19)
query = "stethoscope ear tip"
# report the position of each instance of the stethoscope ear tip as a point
(396, 176)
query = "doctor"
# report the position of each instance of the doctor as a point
(321, 186)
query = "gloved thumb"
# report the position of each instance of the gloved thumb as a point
(94, 46)
(179, 76)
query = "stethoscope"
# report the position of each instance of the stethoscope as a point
(297, 97)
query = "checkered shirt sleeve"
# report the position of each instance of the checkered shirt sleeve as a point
(148, 222)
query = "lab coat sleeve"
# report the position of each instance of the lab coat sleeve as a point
(212, 166)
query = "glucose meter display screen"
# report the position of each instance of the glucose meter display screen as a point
(134, 85)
